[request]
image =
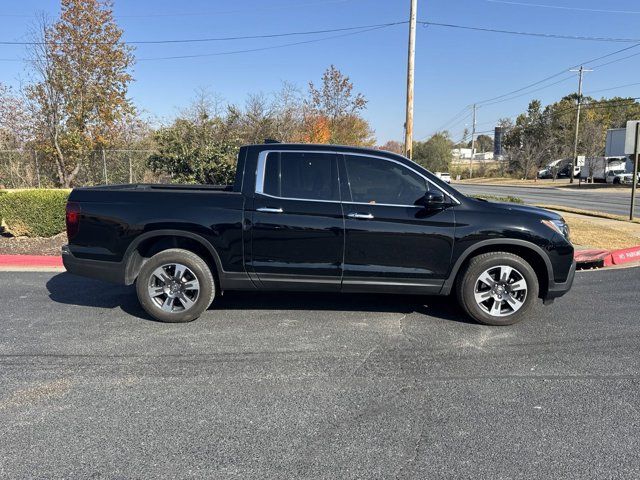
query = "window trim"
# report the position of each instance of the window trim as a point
(262, 160)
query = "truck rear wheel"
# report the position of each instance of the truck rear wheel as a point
(175, 286)
(497, 288)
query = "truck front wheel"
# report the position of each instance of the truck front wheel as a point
(175, 286)
(497, 288)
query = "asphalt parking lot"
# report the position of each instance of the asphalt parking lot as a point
(316, 386)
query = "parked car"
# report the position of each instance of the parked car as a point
(444, 176)
(617, 177)
(559, 168)
(318, 218)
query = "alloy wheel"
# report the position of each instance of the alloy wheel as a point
(173, 288)
(500, 291)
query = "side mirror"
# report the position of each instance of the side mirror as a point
(433, 199)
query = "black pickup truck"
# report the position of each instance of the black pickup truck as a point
(318, 218)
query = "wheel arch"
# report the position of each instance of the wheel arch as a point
(150, 243)
(530, 252)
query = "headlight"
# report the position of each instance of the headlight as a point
(559, 226)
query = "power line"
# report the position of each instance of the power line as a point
(259, 49)
(503, 98)
(561, 72)
(352, 31)
(511, 95)
(616, 60)
(559, 7)
(455, 117)
(451, 122)
(534, 34)
(612, 88)
(333, 30)
(218, 39)
(530, 91)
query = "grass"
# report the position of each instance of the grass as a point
(590, 213)
(500, 198)
(610, 236)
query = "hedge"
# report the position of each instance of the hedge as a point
(34, 213)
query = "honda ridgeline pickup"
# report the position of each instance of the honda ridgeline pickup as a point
(318, 218)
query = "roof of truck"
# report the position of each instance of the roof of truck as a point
(324, 147)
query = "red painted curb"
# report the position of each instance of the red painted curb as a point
(626, 255)
(590, 255)
(607, 258)
(41, 261)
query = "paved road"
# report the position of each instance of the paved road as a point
(316, 386)
(601, 200)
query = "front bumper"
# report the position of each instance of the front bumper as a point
(557, 289)
(113, 272)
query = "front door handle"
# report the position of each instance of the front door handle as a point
(365, 216)
(269, 210)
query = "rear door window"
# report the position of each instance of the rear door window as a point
(301, 175)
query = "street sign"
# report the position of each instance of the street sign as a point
(629, 145)
(580, 162)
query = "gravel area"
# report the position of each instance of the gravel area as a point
(31, 246)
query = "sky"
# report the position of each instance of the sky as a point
(454, 67)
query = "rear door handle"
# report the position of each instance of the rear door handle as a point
(365, 216)
(269, 210)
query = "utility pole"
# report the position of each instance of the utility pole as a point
(580, 71)
(634, 180)
(408, 126)
(473, 141)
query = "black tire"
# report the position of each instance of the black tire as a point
(176, 300)
(616, 181)
(522, 300)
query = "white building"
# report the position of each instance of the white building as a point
(461, 153)
(484, 156)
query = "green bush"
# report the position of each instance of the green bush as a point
(34, 213)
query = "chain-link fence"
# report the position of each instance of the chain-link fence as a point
(34, 169)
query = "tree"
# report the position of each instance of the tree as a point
(393, 146)
(15, 121)
(463, 143)
(540, 136)
(484, 143)
(258, 121)
(316, 129)
(288, 107)
(435, 153)
(336, 102)
(529, 144)
(17, 168)
(80, 96)
(200, 147)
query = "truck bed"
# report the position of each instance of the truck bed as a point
(109, 192)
